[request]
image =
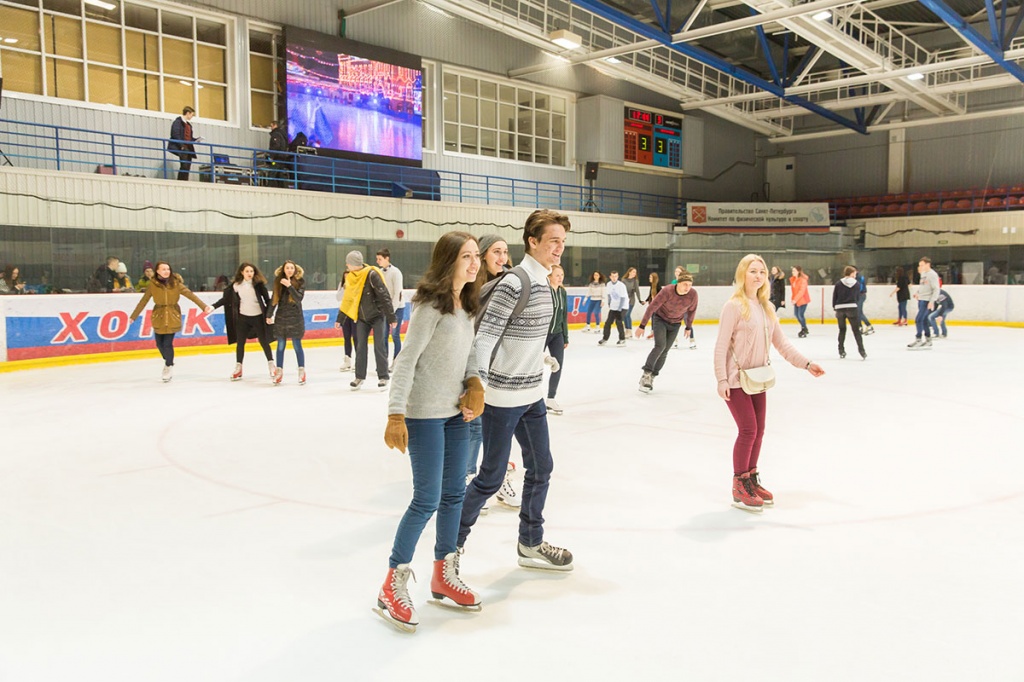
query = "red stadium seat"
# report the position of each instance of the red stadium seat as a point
(933, 205)
(920, 207)
(995, 202)
(948, 205)
(963, 204)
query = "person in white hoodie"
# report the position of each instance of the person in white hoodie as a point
(927, 294)
(618, 304)
(844, 302)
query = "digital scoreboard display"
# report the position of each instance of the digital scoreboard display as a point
(653, 139)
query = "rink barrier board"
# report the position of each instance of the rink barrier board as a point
(45, 330)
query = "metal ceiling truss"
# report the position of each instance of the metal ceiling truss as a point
(877, 56)
(994, 47)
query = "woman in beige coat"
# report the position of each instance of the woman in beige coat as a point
(165, 289)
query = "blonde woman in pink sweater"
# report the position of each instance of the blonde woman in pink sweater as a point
(747, 318)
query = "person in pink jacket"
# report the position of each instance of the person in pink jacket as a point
(800, 297)
(747, 324)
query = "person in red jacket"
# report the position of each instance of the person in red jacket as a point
(800, 297)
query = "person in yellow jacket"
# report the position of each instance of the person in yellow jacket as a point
(166, 289)
(122, 282)
(367, 301)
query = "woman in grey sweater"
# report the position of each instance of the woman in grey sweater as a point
(633, 289)
(435, 392)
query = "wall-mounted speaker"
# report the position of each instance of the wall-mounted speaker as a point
(590, 172)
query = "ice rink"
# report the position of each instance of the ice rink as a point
(210, 530)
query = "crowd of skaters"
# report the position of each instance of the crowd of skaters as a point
(469, 377)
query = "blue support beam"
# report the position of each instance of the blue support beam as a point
(804, 64)
(990, 10)
(1008, 36)
(767, 49)
(662, 17)
(712, 60)
(957, 22)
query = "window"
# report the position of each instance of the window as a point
(131, 55)
(503, 120)
(266, 64)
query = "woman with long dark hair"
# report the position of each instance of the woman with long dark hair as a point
(655, 283)
(435, 393)
(245, 303)
(11, 282)
(286, 315)
(902, 294)
(747, 326)
(166, 288)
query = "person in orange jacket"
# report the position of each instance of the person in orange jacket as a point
(801, 297)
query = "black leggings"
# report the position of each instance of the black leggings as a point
(165, 344)
(245, 324)
(348, 328)
(556, 347)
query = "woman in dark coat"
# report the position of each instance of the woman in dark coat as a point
(778, 291)
(245, 303)
(166, 289)
(286, 315)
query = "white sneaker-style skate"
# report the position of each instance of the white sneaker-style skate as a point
(647, 382)
(693, 344)
(302, 376)
(346, 366)
(506, 494)
(165, 376)
(544, 556)
(553, 406)
(278, 375)
(382, 384)
(355, 384)
(272, 367)
(237, 374)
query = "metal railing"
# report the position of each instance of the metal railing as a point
(62, 148)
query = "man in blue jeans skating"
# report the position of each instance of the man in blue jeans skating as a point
(514, 392)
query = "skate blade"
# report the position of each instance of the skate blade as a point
(236, 378)
(527, 562)
(506, 505)
(397, 624)
(446, 603)
(743, 507)
(645, 391)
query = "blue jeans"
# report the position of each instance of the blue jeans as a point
(529, 425)
(476, 439)
(935, 326)
(921, 321)
(556, 347)
(396, 335)
(628, 319)
(296, 345)
(902, 309)
(594, 308)
(438, 449)
(860, 310)
(799, 310)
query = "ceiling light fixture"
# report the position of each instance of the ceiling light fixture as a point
(10, 41)
(436, 10)
(566, 39)
(102, 5)
(915, 77)
(824, 15)
(556, 56)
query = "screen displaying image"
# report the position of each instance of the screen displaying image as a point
(357, 100)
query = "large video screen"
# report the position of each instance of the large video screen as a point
(354, 100)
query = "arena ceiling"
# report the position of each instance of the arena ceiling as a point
(787, 69)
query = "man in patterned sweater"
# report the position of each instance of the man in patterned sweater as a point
(514, 396)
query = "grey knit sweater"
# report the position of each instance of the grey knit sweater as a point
(436, 359)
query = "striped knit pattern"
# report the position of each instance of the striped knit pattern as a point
(515, 377)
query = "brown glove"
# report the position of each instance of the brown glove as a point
(396, 436)
(473, 398)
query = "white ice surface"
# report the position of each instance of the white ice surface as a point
(210, 530)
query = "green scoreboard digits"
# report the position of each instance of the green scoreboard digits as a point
(652, 138)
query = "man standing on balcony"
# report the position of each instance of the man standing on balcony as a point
(181, 141)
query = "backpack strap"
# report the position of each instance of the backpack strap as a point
(517, 310)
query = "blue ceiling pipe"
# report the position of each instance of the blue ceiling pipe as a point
(714, 61)
(958, 23)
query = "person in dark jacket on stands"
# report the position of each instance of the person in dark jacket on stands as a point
(285, 313)
(845, 299)
(181, 141)
(105, 276)
(245, 303)
(368, 301)
(279, 158)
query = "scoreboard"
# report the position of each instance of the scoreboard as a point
(653, 138)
